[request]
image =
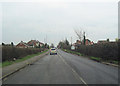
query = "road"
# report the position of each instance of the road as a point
(65, 68)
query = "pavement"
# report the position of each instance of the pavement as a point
(64, 68)
(8, 70)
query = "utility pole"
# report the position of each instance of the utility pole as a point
(84, 38)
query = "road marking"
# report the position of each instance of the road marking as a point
(4, 79)
(80, 78)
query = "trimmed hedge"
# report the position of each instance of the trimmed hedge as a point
(106, 51)
(9, 52)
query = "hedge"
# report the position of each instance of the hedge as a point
(106, 51)
(9, 52)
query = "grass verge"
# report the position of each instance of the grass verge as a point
(96, 59)
(73, 52)
(6, 63)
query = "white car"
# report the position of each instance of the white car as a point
(53, 51)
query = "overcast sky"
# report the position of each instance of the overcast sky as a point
(53, 21)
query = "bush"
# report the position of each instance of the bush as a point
(106, 51)
(8, 52)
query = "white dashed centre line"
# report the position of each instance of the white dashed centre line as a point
(75, 73)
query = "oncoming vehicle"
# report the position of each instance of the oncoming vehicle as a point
(53, 51)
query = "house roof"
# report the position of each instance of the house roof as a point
(22, 43)
(41, 43)
(33, 42)
(88, 40)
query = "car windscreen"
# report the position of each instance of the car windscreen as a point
(52, 49)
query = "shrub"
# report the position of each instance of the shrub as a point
(9, 52)
(106, 51)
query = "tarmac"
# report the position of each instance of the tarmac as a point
(8, 70)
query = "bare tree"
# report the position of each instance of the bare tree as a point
(79, 33)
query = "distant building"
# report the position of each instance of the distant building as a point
(102, 41)
(32, 44)
(22, 45)
(88, 42)
(78, 43)
(35, 43)
(41, 44)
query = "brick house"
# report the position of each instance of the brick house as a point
(22, 45)
(30, 44)
(88, 42)
(41, 44)
(35, 43)
(78, 43)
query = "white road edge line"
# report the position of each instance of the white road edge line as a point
(80, 78)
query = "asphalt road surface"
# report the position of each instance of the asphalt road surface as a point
(65, 68)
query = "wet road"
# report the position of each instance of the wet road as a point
(65, 68)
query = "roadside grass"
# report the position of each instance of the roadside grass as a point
(98, 59)
(6, 63)
(115, 62)
(73, 52)
(102, 60)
